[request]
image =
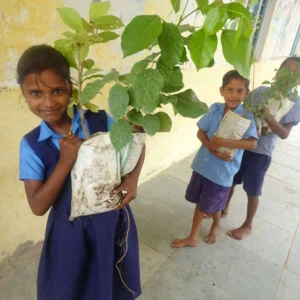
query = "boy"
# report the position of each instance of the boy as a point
(255, 163)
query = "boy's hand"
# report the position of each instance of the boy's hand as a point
(215, 142)
(129, 187)
(223, 156)
(69, 147)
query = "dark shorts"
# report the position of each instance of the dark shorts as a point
(252, 172)
(209, 196)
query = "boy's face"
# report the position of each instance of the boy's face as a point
(234, 93)
(47, 95)
(292, 66)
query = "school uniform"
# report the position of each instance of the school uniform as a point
(256, 163)
(79, 257)
(212, 177)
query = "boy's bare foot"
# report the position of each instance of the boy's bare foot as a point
(187, 242)
(212, 236)
(240, 233)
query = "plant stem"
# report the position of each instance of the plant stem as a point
(181, 19)
(79, 106)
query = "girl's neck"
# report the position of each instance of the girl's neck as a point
(62, 126)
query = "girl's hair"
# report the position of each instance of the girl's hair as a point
(294, 58)
(37, 59)
(233, 74)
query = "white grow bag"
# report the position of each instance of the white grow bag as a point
(98, 170)
(233, 127)
(276, 112)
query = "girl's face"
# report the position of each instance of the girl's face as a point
(47, 95)
(234, 93)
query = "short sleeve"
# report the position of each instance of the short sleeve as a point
(256, 95)
(252, 131)
(31, 166)
(293, 116)
(110, 121)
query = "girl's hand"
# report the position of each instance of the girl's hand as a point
(129, 187)
(69, 147)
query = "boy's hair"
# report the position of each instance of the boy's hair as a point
(37, 59)
(233, 74)
(294, 58)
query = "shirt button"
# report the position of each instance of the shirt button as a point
(205, 159)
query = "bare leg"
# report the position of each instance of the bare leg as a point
(225, 211)
(246, 228)
(212, 236)
(193, 239)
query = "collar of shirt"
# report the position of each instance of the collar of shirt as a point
(237, 110)
(46, 132)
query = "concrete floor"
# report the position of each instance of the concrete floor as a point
(266, 266)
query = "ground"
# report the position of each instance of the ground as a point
(265, 266)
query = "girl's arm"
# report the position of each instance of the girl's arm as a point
(41, 195)
(283, 131)
(248, 144)
(129, 184)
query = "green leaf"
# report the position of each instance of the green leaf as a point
(147, 87)
(172, 78)
(151, 124)
(92, 107)
(111, 76)
(108, 23)
(70, 17)
(99, 9)
(165, 122)
(70, 110)
(88, 64)
(168, 99)
(87, 27)
(69, 34)
(214, 21)
(184, 57)
(202, 48)
(186, 27)
(176, 5)
(135, 117)
(140, 34)
(71, 59)
(203, 6)
(125, 78)
(91, 90)
(120, 134)
(141, 66)
(91, 71)
(84, 51)
(240, 56)
(132, 98)
(105, 36)
(171, 44)
(63, 45)
(267, 82)
(118, 101)
(188, 105)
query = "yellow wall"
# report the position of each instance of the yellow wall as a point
(25, 23)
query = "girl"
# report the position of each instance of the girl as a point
(78, 258)
(213, 172)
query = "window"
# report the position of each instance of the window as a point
(296, 46)
(258, 12)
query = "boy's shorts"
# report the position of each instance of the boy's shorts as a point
(210, 197)
(252, 172)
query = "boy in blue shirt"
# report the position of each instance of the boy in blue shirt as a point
(213, 172)
(255, 163)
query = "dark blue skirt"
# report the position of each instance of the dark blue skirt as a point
(78, 258)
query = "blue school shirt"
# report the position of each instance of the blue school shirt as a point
(266, 143)
(206, 164)
(31, 166)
